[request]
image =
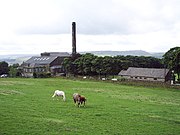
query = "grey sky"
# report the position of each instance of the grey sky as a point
(35, 26)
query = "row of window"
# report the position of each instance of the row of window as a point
(31, 70)
(141, 78)
(41, 59)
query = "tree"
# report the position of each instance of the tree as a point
(97, 66)
(87, 63)
(67, 64)
(70, 64)
(4, 68)
(13, 70)
(172, 60)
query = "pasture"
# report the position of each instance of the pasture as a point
(27, 107)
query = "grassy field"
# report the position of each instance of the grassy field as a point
(26, 107)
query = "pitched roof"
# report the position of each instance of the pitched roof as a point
(40, 60)
(145, 72)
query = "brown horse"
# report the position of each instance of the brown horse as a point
(79, 99)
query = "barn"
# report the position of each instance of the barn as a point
(149, 74)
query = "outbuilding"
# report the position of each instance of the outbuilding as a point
(149, 74)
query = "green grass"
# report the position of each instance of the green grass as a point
(26, 107)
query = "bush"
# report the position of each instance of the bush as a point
(41, 75)
(122, 79)
(34, 75)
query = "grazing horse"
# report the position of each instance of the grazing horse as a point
(76, 97)
(59, 93)
(79, 99)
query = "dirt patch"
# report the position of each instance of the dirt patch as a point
(15, 83)
(9, 92)
(89, 89)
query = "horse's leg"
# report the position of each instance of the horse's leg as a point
(74, 101)
(54, 95)
(79, 103)
(64, 98)
(84, 103)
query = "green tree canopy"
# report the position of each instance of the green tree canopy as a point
(89, 64)
(4, 68)
(172, 60)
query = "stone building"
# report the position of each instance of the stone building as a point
(149, 74)
(48, 62)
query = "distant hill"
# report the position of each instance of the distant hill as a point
(125, 53)
(19, 58)
(15, 58)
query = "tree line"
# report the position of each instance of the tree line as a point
(89, 64)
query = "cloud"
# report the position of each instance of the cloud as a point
(97, 17)
(44, 25)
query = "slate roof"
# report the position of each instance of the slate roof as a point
(40, 60)
(45, 59)
(145, 72)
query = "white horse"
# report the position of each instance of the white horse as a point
(59, 93)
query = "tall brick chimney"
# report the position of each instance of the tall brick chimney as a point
(73, 38)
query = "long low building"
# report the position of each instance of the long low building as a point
(48, 62)
(150, 74)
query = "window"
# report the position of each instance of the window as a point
(155, 78)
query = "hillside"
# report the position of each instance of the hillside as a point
(125, 53)
(15, 58)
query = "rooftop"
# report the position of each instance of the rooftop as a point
(145, 72)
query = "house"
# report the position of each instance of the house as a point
(149, 74)
(48, 62)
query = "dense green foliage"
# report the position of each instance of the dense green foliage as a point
(4, 68)
(28, 108)
(14, 71)
(172, 60)
(89, 64)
